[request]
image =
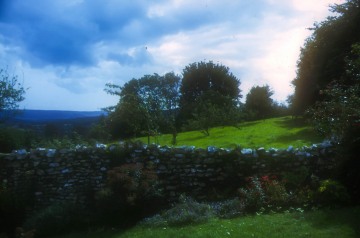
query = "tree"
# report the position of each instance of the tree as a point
(146, 105)
(11, 93)
(205, 114)
(328, 82)
(259, 104)
(200, 78)
(322, 59)
(338, 114)
(337, 117)
(127, 119)
(170, 91)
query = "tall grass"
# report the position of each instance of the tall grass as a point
(275, 132)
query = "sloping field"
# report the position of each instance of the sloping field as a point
(275, 132)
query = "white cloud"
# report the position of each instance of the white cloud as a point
(258, 40)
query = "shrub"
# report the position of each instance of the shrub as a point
(263, 192)
(13, 139)
(229, 208)
(134, 182)
(187, 211)
(331, 193)
(302, 196)
(254, 195)
(275, 191)
(295, 179)
(57, 219)
(132, 193)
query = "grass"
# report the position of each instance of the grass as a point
(275, 132)
(340, 223)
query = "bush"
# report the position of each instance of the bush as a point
(331, 193)
(229, 208)
(275, 191)
(295, 179)
(13, 139)
(187, 211)
(266, 191)
(132, 193)
(11, 212)
(57, 219)
(254, 195)
(133, 182)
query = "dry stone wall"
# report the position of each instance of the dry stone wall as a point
(50, 175)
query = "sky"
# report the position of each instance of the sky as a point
(64, 52)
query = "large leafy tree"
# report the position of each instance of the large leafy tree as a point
(328, 83)
(146, 106)
(259, 104)
(11, 93)
(337, 116)
(204, 78)
(323, 57)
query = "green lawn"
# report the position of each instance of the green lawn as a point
(275, 132)
(340, 223)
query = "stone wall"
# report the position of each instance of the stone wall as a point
(51, 175)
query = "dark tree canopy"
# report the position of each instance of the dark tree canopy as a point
(259, 103)
(200, 78)
(327, 87)
(323, 59)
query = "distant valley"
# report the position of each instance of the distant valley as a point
(64, 122)
(41, 116)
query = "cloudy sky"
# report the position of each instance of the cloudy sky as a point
(65, 52)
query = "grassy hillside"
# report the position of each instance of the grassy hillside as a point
(275, 132)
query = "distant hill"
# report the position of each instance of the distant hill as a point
(40, 116)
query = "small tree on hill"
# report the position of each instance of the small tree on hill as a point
(146, 106)
(11, 93)
(259, 104)
(210, 84)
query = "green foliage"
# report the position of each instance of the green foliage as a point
(338, 115)
(259, 104)
(207, 82)
(132, 192)
(229, 208)
(324, 57)
(207, 96)
(201, 77)
(331, 193)
(187, 211)
(99, 132)
(146, 105)
(263, 192)
(206, 114)
(11, 214)
(60, 142)
(57, 219)
(295, 179)
(14, 139)
(276, 194)
(254, 195)
(133, 182)
(11, 93)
